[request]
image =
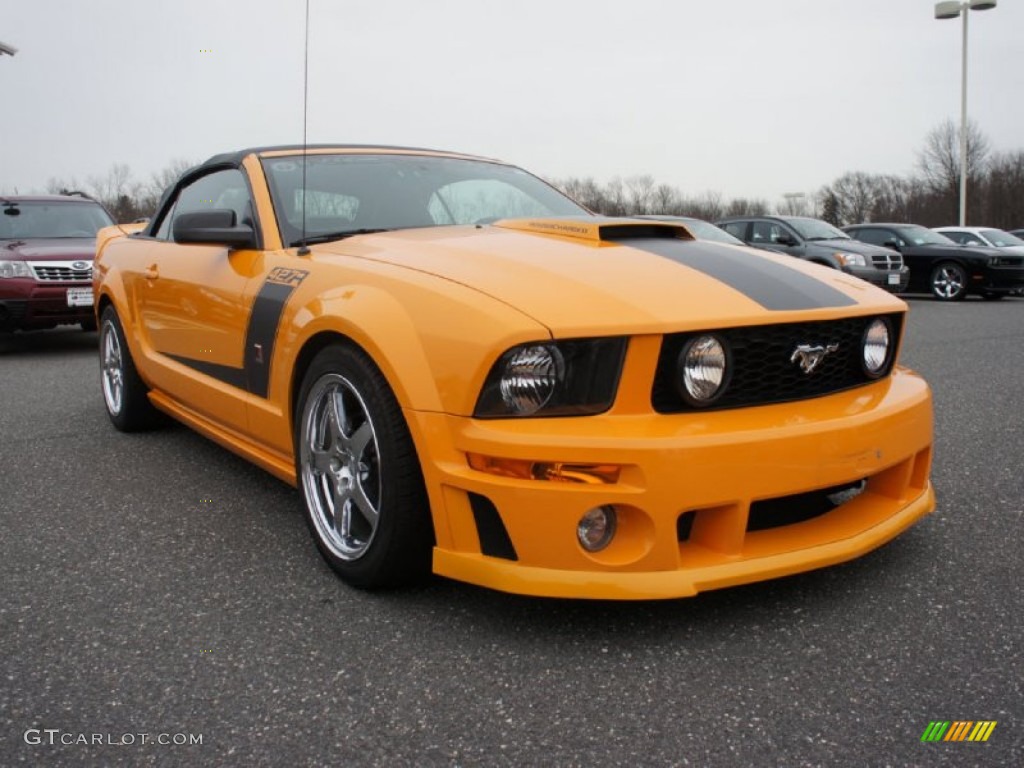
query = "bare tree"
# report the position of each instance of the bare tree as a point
(665, 200)
(707, 206)
(158, 183)
(939, 162)
(640, 194)
(1004, 191)
(795, 204)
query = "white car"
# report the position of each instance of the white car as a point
(994, 238)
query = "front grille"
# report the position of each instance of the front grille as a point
(887, 261)
(59, 273)
(761, 370)
(1006, 261)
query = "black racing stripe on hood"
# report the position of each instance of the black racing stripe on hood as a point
(772, 285)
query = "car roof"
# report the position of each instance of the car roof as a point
(235, 158)
(962, 229)
(881, 224)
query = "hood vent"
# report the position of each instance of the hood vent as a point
(599, 229)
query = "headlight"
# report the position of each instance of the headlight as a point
(14, 269)
(530, 378)
(703, 370)
(850, 259)
(877, 345)
(553, 378)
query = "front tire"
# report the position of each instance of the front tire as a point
(358, 473)
(949, 282)
(124, 393)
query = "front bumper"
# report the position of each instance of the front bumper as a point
(1004, 280)
(881, 277)
(709, 468)
(26, 304)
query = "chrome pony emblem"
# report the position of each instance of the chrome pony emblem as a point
(809, 356)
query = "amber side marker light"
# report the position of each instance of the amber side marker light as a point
(552, 471)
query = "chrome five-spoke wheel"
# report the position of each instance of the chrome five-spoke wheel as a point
(111, 371)
(358, 472)
(124, 393)
(949, 282)
(341, 467)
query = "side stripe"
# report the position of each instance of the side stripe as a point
(260, 334)
(259, 337)
(772, 285)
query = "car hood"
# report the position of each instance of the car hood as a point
(962, 251)
(590, 276)
(49, 249)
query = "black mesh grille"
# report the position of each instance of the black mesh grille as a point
(761, 368)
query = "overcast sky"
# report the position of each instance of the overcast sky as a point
(749, 98)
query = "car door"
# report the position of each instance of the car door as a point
(776, 236)
(192, 307)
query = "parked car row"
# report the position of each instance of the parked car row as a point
(948, 262)
(819, 242)
(949, 270)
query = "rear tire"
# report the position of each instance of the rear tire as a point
(358, 473)
(949, 282)
(124, 393)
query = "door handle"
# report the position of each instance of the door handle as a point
(151, 272)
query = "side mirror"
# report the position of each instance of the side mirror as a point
(784, 238)
(893, 243)
(214, 227)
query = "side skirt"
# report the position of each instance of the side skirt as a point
(277, 465)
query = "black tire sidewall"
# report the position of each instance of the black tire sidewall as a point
(136, 413)
(402, 543)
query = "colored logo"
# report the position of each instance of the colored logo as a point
(958, 730)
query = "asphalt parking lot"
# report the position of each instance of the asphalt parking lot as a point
(157, 585)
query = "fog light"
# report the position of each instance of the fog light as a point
(596, 528)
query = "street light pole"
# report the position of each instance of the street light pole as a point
(950, 9)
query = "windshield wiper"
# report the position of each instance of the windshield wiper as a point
(327, 237)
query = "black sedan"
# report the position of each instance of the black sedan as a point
(948, 270)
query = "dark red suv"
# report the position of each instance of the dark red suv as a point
(46, 250)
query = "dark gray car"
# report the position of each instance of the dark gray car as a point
(819, 242)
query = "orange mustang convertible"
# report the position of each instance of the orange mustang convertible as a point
(463, 370)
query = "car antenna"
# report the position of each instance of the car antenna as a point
(303, 248)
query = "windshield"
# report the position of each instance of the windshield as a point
(24, 220)
(922, 236)
(813, 229)
(1001, 239)
(355, 193)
